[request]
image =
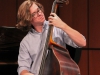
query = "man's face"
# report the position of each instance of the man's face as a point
(37, 15)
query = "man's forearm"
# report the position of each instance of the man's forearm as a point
(25, 72)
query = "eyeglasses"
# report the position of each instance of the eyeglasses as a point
(35, 14)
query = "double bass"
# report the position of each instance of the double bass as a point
(56, 60)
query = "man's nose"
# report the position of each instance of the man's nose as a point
(39, 13)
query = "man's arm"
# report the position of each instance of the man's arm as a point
(25, 72)
(72, 33)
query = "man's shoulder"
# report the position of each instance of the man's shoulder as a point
(26, 37)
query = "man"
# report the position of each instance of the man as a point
(31, 17)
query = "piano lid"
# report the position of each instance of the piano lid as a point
(10, 36)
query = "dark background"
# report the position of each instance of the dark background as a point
(82, 15)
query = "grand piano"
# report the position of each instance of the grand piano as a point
(10, 38)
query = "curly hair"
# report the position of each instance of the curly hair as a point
(24, 15)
